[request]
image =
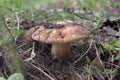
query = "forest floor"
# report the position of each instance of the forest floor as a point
(92, 59)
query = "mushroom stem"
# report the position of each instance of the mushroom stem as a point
(61, 50)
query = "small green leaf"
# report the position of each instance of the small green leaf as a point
(117, 57)
(16, 76)
(117, 44)
(97, 23)
(117, 49)
(112, 38)
(91, 4)
(15, 4)
(94, 68)
(107, 46)
(28, 16)
(116, 19)
(65, 4)
(80, 4)
(82, 47)
(1, 78)
(108, 71)
(16, 32)
(67, 16)
(87, 58)
(101, 1)
(82, 15)
(19, 3)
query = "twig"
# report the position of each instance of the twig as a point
(33, 54)
(18, 21)
(89, 73)
(42, 71)
(70, 67)
(45, 69)
(33, 76)
(84, 53)
(98, 56)
(77, 74)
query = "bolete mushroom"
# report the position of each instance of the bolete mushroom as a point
(60, 37)
(27, 35)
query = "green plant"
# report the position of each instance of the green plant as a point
(87, 58)
(1, 78)
(91, 4)
(112, 38)
(117, 57)
(113, 47)
(16, 32)
(108, 46)
(94, 68)
(11, 3)
(117, 44)
(9, 6)
(82, 47)
(15, 76)
(99, 20)
(80, 4)
(108, 71)
(117, 47)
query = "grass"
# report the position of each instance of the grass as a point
(36, 3)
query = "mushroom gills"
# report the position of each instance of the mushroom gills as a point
(61, 50)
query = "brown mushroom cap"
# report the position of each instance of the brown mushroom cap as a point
(63, 35)
(27, 35)
(36, 34)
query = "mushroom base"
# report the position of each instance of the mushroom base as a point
(61, 51)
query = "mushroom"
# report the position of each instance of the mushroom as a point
(60, 38)
(28, 38)
(27, 35)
